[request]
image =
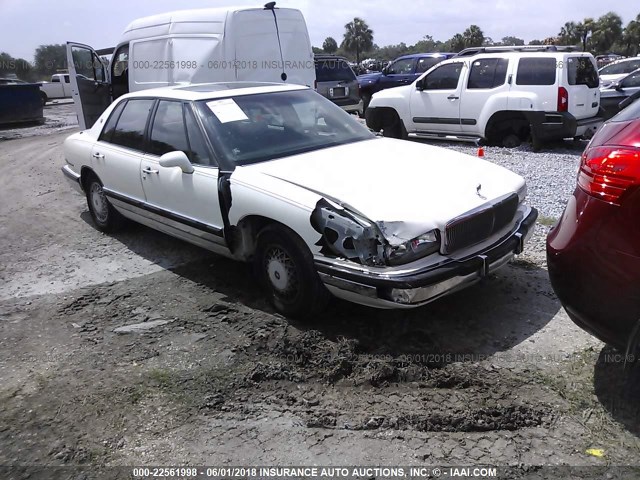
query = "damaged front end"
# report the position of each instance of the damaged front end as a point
(347, 234)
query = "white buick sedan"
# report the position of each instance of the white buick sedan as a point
(279, 176)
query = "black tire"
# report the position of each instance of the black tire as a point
(366, 99)
(44, 98)
(394, 128)
(285, 268)
(511, 140)
(105, 217)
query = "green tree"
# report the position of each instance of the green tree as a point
(584, 30)
(607, 30)
(330, 45)
(473, 36)
(19, 67)
(358, 37)
(50, 59)
(456, 43)
(569, 34)
(317, 50)
(427, 44)
(535, 42)
(510, 40)
(631, 38)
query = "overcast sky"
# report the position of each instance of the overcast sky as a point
(25, 24)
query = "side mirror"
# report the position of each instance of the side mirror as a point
(629, 100)
(420, 84)
(617, 86)
(176, 159)
(385, 71)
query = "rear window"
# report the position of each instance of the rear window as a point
(582, 72)
(333, 70)
(426, 63)
(536, 71)
(488, 73)
(626, 66)
(129, 131)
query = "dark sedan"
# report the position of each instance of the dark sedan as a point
(593, 253)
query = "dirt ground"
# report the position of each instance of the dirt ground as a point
(494, 375)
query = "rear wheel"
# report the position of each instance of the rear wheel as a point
(284, 265)
(43, 98)
(105, 217)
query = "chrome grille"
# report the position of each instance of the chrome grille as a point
(473, 228)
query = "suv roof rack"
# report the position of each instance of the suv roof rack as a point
(515, 48)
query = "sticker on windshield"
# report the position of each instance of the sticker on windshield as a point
(227, 110)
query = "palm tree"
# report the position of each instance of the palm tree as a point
(473, 36)
(358, 37)
(584, 30)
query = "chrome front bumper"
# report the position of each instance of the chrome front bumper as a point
(413, 288)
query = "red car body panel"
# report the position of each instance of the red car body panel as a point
(593, 253)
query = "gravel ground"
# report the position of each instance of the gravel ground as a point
(550, 176)
(204, 372)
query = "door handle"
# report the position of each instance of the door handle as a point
(453, 97)
(98, 156)
(149, 170)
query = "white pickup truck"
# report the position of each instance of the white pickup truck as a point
(58, 87)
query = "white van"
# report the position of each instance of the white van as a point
(193, 46)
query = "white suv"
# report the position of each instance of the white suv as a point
(501, 95)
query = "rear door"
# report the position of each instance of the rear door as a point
(271, 46)
(90, 87)
(580, 78)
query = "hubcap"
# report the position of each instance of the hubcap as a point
(281, 272)
(99, 202)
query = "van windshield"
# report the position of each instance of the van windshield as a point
(256, 128)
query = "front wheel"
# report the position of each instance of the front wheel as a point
(394, 127)
(284, 265)
(105, 217)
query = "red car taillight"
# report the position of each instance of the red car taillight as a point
(563, 99)
(607, 172)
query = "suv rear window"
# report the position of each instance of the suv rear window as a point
(536, 71)
(488, 73)
(582, 72)
(333, 69)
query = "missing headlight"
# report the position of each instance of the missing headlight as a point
(345, 234)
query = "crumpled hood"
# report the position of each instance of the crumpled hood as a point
(407, 188)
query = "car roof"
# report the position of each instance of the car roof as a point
(622, 60)
(204, 91)
(421, 55)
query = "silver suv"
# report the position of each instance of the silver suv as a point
(336, 81)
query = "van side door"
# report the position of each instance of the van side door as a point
(90, 87)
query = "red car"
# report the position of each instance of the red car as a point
(593, 253)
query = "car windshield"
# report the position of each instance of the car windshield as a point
(256, 128)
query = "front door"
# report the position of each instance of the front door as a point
(436, 108)
(89, 83)
(187, 202)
